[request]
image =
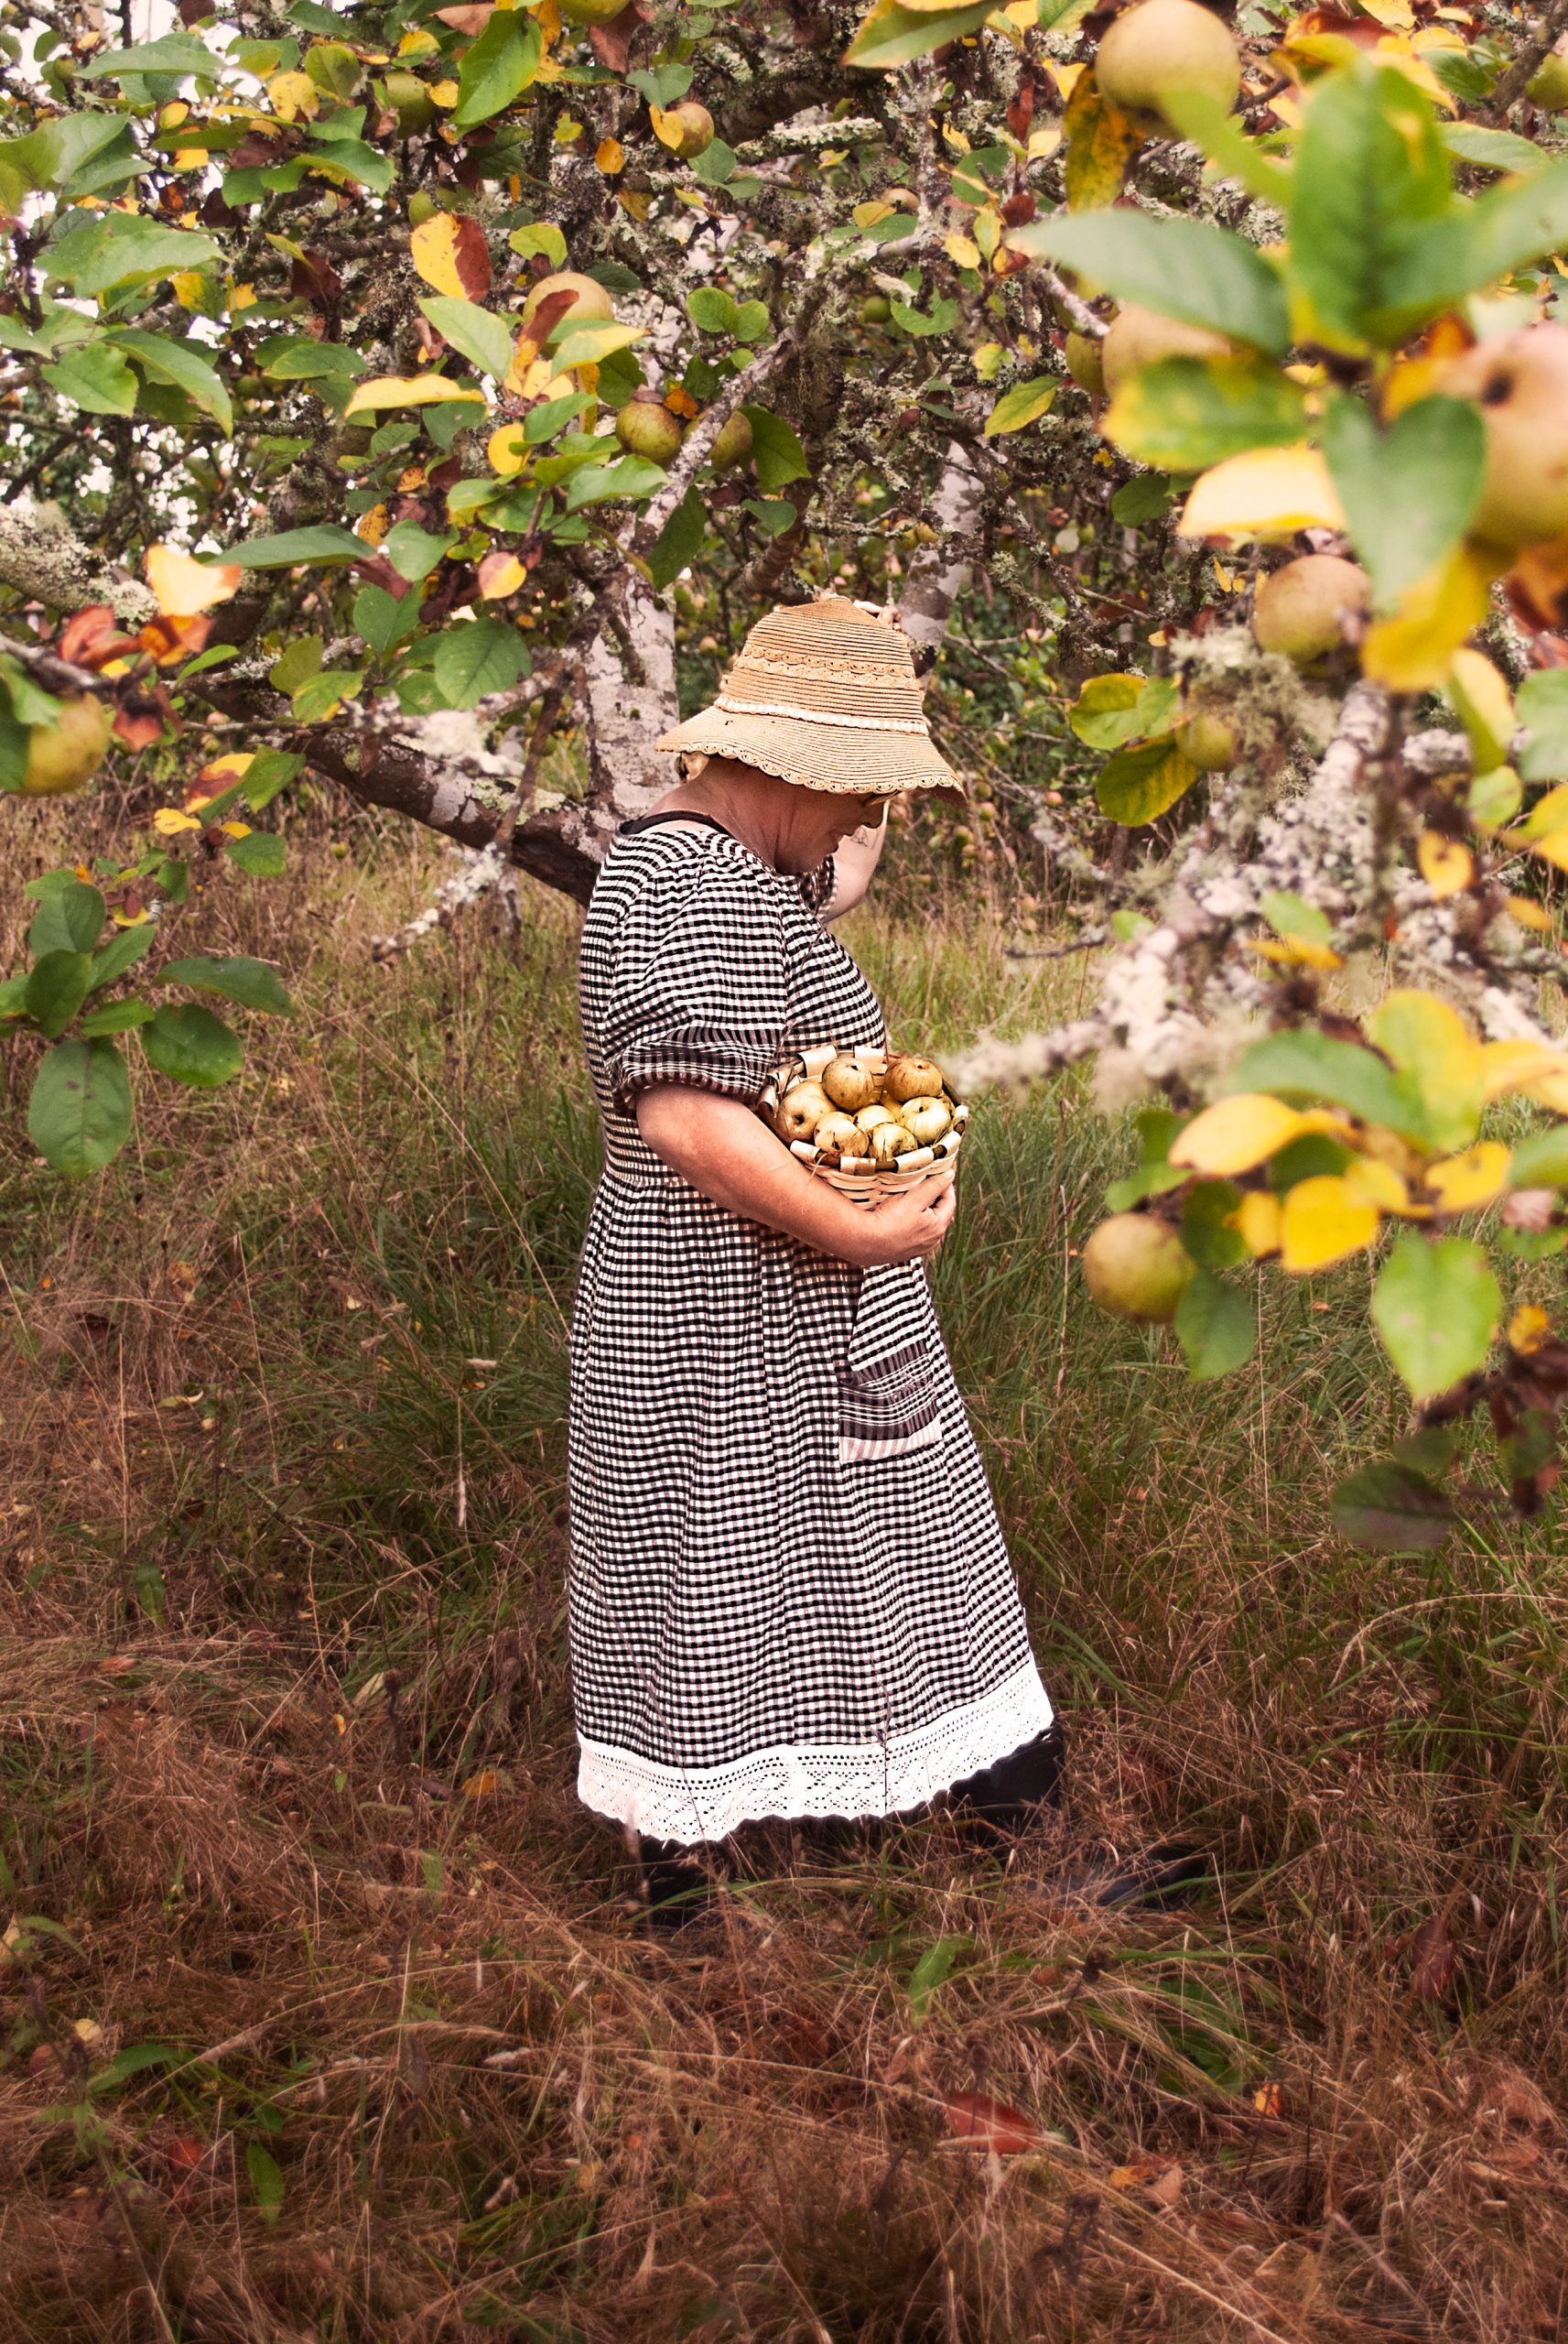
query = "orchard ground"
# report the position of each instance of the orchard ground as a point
(324, 2015)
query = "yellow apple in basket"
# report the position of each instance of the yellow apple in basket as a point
(929, 1119)
(850, 1085)
(842, 1135)
(909, 1077)
(871, 1117)
(888, 1142)
(800, 1111)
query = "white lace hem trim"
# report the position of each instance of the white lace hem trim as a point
(849, 1779)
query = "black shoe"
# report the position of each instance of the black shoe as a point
(676, 1889)
(1160, 1879)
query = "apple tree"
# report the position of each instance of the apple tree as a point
(397, 387)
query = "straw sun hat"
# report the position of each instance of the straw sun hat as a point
(823, 694)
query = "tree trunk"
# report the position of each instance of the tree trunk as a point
(939, 575)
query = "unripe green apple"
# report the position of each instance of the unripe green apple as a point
(1520, 385)
(695, 125)
(422, 206)
(62, 757)
(875, 310)
(1165, 45)
(591, 12)
(1549, 88)
(410, 101)
(1206, 740)
(1137, 1267)
(591, 304)
(1300, 610)
(1139, 338)
(734, 445)
(645, 427)
(1085, 363)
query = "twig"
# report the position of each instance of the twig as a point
(1526, 65)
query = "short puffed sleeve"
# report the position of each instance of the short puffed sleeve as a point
(698, 990)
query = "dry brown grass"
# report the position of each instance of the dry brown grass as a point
(286, 1816)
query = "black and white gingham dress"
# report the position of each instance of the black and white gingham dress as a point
(789, 1593)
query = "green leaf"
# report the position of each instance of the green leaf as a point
(752, 322)
(941, 317)
(178, 362)
(269, 771)
(1540, 704)
(484, 340)
(298, 663)
(629, 476)
(334, 68)
(320, 696)
(1024, 403)
(1369, 169)
(1409, 490)
(1182, 268)
(193, 1045)
(262, 2168)
(1494, 150)
(1140, 784)
(1184, 414)
(74, 155)
(497, 67)
(250, 982)
(79, 1116)
(293, 358)
(1308, 1065)
(1474, 246)
(716, 164)
(776, 453)
(380, 621)
(933, 1970)
(57, 987)
(101, 250)
(679, 541)
(116, 1018)
(1390, 1509)
(94, 376)
(892, 35)
(69, 920)
(1542, 1160)
(662, 85)
(1111, 710)
(711, 310)
(485, 656)
(323, 543)
(1146, 498)
(1216, 1326)
(541, 236)
(542, 422)
(1196, 116)
(178, 53)
(1436, 1308)
(260, 854)
(123, 949)
(414, 552)
(1292, 915)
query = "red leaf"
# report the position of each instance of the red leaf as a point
(84, 634)
(547, 316)
(138, 731)
(988, 2123)
(612, 43)
(314, 280)
(467, 19)
(185, 2153)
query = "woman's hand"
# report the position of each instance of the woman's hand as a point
(908, 1227)
(721, 1147)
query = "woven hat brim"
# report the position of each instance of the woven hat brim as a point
(850, 760)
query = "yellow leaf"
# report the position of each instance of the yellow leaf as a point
(633, 200)
(242, 297)
(231, 766)
(1268, 493)
(434, 246)
(1551, 1090)
(292, 94)
(1396, 14)
(1296, 952)
(190, 158)
(1430, 1041)
(183, 588)
(171, 117)
(1553, 848)
(168, 821)
(243, 830)
(865, 215)
(445, 94)
(418, 44)
(484, 1784)
(507, 449)
(1530, 913)
(1484, 705)
(1529, 1328)
(504, 579)
(1259, 1221)
(1445, 865)
(1234, 1135)
(404, 390)
(609, 157)
(1101, 142)
(1550, 812)
(189, 287)
(962, 250)
(1413, 649)
(1507, 1067)
(1323, 1221)
(373, 525)
(1461, 1182)
(1372, 1183)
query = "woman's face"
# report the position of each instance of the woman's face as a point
(819, 820)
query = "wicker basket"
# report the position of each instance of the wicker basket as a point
(856, 1175)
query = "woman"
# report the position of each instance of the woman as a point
(789, 1593)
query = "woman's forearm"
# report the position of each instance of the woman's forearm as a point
(721, 1147)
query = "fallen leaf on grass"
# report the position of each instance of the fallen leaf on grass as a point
(1435, 1960)
(988, 2123)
